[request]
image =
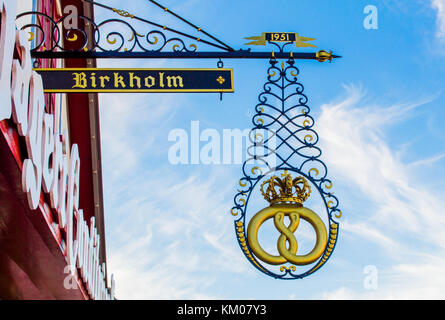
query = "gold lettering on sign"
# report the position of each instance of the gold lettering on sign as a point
(103, 79)
(175, 81)
(93, 80)
(118, 80)
(133, 78)
(150, 81)
(80, 80)
(161, 79)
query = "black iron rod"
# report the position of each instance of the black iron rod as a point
(161, 26)
(190, 24)
(241, 54)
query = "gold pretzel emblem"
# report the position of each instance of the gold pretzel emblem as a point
(287, 203)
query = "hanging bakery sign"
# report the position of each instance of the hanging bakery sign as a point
(295, 234)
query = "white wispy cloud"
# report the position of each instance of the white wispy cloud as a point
(406, 216)
(439, 5)
(169, 233)
(422, 280)
(428, 161)
(179, 239)
(122, 113)
(370, 233)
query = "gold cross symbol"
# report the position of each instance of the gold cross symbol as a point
(221, 80)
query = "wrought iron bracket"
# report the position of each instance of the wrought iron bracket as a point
(126, 37)
(239, 54)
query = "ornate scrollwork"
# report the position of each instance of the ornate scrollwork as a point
(112, 35)
(283, 139)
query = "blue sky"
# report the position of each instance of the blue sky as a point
(378, 112)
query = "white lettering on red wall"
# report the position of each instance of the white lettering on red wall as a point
(50, 165)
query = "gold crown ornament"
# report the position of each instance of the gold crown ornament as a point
(286, 190)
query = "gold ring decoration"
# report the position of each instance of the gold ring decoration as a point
(315, 170)
(306, 123)
(73, 38)
(286, 197)
(134, 36)
(111, 41)
(256, 170)
(261, 137)
(291, 268)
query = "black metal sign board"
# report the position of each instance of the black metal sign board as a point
(136, 80)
